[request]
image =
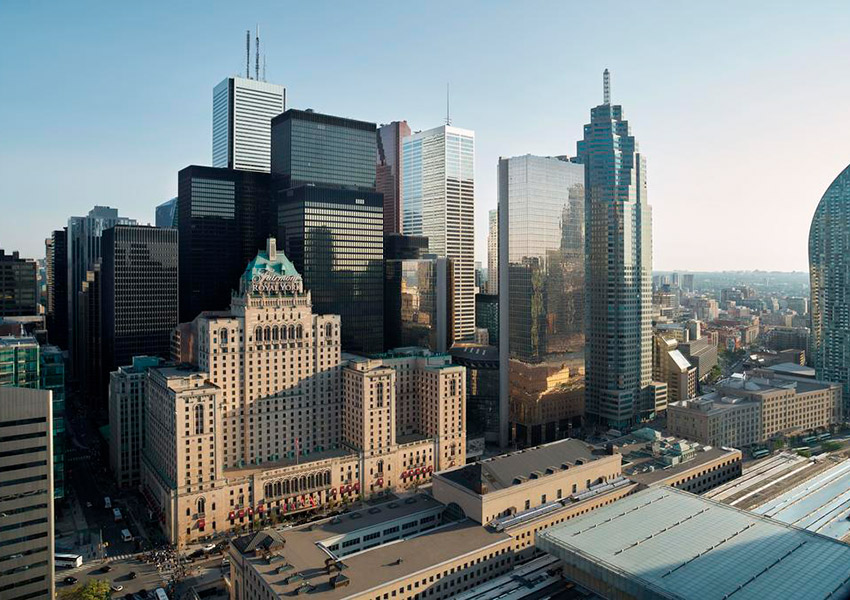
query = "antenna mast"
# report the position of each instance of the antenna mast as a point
(264, 66)
(448, 114)
(606, 87)
(248, 54)
(257, 60)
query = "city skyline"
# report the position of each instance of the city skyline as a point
(115, 127)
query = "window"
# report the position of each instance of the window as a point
(199, 419)
(202, 503)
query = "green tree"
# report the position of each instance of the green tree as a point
(93, 589)
(830, 446)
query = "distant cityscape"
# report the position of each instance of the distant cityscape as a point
(299, 380)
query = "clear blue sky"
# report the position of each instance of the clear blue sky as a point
(742, 109)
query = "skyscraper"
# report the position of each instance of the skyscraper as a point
(56, 259)
(84, 254)
(439, 203)
(389, 174)
(330, 219)
(829, 262)
(18, 285)
(492, 285)
(541, 299)
(139, 287)
(166, 213)
(619, 269)
(242, 114)
(223, 218)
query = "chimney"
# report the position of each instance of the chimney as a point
(271, 246)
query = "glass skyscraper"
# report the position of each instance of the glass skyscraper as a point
(439, 203)
(829, 265)
(242, 114)
(541, 244)
(388, 173)
(619, 270)
(330, 218)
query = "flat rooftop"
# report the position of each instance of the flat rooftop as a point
(499, 472)
(638, 471)
(366, 569)
(674, 544)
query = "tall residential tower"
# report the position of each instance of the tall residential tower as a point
(829, 262)
(618, 269)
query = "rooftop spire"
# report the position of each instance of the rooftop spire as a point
(606, 87)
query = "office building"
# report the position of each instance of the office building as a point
(418, 303)
(402, 247)
(56, 261)
(83, 253)
(487, 316)
(482, 389)
(330, 219)
(139, 287)
(166, 214)
(280, 421)
(688, 283)
(670, 366)
(829, 261)
(492, 286)
(439, 203)
(666, 543)
(541, 291)
(223, 218)
(619, 266)
(241, 131)
(26, 504)
(701, 353)
(389, 173)
(127, 390)
(18, 285)
(755, 407)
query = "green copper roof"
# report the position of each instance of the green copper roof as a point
(270, 261)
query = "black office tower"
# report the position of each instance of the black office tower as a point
(139, 293)
(223, 218)
(18, 285)
(57, 289)
(330, 218)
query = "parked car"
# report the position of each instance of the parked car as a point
(132, 575)
(208, 548)
(70, 580)
(117, 587)
(106, 568)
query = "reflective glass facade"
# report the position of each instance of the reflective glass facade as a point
(417, 306)
(829, 265)
(317, 149)
(541, 200)
(18, 285)
(482, 389)
(388, 173)
(619, 271)
(335, 239)
(224, 217)
(439, 203)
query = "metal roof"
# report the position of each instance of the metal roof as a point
(677, 545)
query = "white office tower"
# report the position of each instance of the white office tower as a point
(242, 114)
(439, 193)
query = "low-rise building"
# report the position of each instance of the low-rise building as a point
(757, 406)
(663, 543)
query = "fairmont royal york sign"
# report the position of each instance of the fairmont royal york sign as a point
(271, 283)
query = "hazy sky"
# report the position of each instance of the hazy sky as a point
(741, 108)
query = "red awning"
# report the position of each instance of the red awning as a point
(241, 512)
(201, 523)
(232, 514)
(357, 487)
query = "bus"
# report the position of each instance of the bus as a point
(160, 594)
(808, 439)
(67, 561)
(824, 436)
(760, 453)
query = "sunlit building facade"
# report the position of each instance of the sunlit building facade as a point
(541, 300)
(829, 262)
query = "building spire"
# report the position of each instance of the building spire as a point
(606, 87)
(448, 114)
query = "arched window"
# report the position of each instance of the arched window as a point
(268, 489)
(302, 483)
(300, 332)
(291, 332)
(311, 481)
(274, 333)
(268, 334)
(278, 488)
(199, 419)
(258, 334)
(327, 477)
(202, 504)
(379, 395)
(283, 332)
(329, 330)
(286, 486)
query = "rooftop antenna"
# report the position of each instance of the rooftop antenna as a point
(257, 59)
(247, 54)
(448, 114)
(606, 87)
(264, 66)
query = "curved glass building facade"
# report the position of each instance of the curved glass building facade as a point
(829, 270)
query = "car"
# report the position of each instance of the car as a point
(88, 504)
(208, 548)
(132, 575)
(116, 587)
(106, 568)
(70, 580)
